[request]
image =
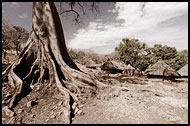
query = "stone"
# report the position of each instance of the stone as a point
(74, 105)
(116, 93)
(31, 104)
(8, 112)
(47, 120)
(80, 106)
(52, 117)
(20, 111)
(80, 112)
(76, 110)
(32, 115)
(60, 103)
(8, 95)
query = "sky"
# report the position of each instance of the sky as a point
(163, 23)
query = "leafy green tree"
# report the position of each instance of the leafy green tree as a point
(164, 52)
(177, 62)
(139, 55)
(142, 63)
(130, 50)
(13, 36)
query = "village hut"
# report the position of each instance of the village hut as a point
(131, 71)
(183, 71)
(91, 64)
(161, 69)
(111, 67)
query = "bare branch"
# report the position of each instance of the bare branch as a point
(71, 10)
(81, 8)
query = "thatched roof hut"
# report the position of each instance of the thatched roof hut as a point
(130, 67)
(184, 70)
(91, 64)
(111, 67)
(131, 71)
(119, 65)
(161, 69)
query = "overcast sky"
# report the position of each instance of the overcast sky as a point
(163, 23)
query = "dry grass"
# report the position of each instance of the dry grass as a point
(83, 57)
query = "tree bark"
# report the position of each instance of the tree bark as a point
(45, 59)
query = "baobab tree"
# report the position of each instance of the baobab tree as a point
(45, 61)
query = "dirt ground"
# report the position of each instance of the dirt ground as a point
(127, 100)
(152, 103)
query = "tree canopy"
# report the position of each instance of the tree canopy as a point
(139, 55)
(13, 36)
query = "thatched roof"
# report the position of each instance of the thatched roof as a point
(122, 65)
(90, 63)
(129, 67)
(159, 68)
(111, 66)
(119, 65)
(184, 70)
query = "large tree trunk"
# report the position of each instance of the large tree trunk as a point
(45, 60)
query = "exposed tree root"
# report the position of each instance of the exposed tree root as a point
(45, 60)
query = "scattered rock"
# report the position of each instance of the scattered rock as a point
(125, 90)
(55, 107)
(159, 95)
(76, 110)
(20, 111)
(8, 95)
(38, 87)
(47, 120)
(80, 112)
(60, 103)
(52, 117)
(31, 104)
(80, 106)
(116, 93)
(32, 115)
(74, 105)
(8, 112)
(60, 113)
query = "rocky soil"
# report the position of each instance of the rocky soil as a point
(126, 100)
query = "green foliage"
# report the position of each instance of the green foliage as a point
(13, 36)
(164, 52)
(140, 56)
(142, 63)
(130, 50)
(178, 62)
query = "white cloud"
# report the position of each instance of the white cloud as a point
(112, 11)
(153, 27)
(15, 5)
(24, 15)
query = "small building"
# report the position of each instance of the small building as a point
(131, 71)
(184, 71)
(91, 64)
(161, 70)
(111, 67)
